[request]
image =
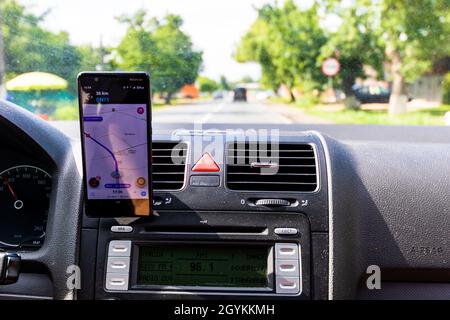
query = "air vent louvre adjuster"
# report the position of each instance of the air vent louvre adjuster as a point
(296, 168)
(168, 173)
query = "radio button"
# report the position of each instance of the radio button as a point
(287, 268)
(288, 285)
(121, 229)
(286, 231)
(286, 251)
(118, 265)
(117, 281)
(119, 248)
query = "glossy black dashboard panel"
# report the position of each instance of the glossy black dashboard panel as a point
(218, 200)
(383, 201)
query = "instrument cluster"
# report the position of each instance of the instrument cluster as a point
(25, 190)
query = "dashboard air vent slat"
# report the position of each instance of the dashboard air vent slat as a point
(295, 168)
(168, 172)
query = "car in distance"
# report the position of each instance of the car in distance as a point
(240, 94)
(372, 94)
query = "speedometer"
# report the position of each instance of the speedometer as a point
(24, 203)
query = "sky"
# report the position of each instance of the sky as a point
(214, 25)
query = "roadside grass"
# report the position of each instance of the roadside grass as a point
(65, 110)
(279, 99)
(304, 101)
(431, 116)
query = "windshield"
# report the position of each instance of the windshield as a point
(247, 61)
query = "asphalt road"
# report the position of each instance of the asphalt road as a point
(221, 112)
(216, 112)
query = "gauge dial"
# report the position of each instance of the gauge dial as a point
(24, 203)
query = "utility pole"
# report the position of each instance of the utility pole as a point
(102, 53)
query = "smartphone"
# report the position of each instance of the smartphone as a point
(115, 122)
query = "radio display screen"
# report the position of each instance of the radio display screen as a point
(204, 266)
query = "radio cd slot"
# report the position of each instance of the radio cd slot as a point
(216, 230)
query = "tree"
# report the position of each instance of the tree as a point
(446, 89)
(224, 85)
(286, 42)
(92, 58)
(415, 35)
(356, 44)
(161, 48)
(29, 47)
(247, 79)
(207, 85)
(254, 46)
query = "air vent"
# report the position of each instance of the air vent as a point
(290, 167)
(169, 165)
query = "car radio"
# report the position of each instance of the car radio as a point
(205, 254)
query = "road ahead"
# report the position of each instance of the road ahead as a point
(216, 112)
(232, 112)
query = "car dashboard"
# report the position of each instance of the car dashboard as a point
(345, 201)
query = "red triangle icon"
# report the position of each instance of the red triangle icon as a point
(206, 164)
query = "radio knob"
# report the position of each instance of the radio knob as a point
(273, 203)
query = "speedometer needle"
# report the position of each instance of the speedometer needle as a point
(5, 179)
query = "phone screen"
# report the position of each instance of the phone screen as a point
(115, 115)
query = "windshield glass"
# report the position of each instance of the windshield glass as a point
(247, 61)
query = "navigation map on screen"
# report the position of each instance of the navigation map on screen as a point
(116, 151)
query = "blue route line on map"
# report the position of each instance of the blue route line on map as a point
(106, 148)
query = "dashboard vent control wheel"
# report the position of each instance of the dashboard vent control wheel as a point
(273, 202)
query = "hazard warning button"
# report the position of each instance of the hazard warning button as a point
(206, 164)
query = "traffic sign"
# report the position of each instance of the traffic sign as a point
(331, 67)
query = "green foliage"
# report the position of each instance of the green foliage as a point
(92, 58)
(286, 42)
(207, 85)
(30, 47)
(414, 32)
(290, 44)
(67, 112)
(409, 36)
(446, 89)
(417, 31)
(160, 48)
(307, 100)
(224, 84)
(356, 42)
(43, 102)
(247, 79)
